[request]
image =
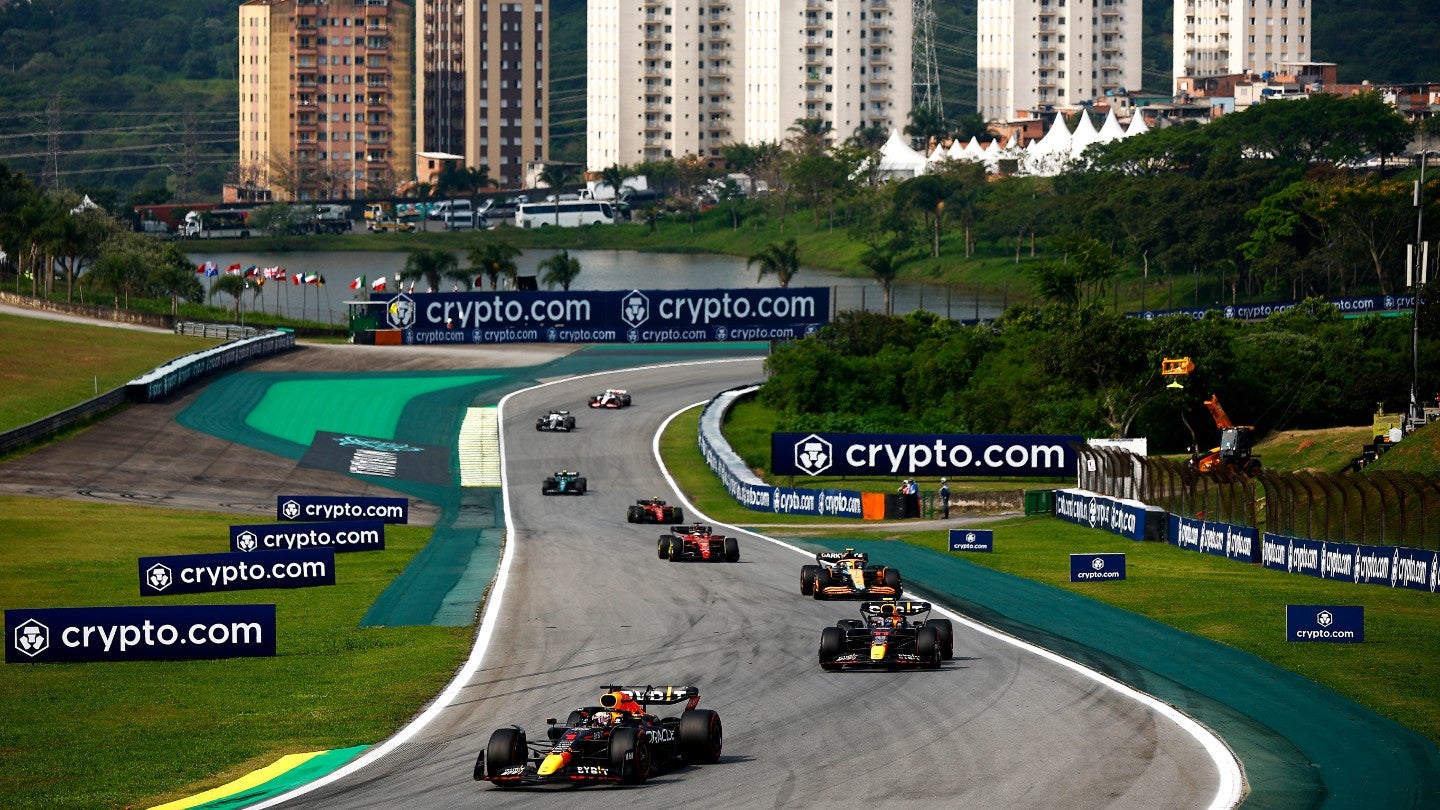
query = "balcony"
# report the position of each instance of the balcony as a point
(813, 58)
(1109, 10)
(812, 22)
(652, 33)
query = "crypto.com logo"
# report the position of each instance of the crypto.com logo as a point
(401, 312)
(635, 308)
(32, 637)
(159, 576)
(813, 455)
(1324, 618)
(247, 540)
(1098, 563)
(290, 510)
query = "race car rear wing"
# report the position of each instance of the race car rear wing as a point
(692, 529)
(663, 695)
(833, 557)
(894, 608)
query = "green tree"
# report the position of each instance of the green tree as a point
(555, 176)
(927, 125)
(429, 264)
(560, 268)
(883, 268)
(232, 285)
(493, 259)
(780, 259)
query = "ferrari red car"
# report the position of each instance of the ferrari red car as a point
(698, 542)
(654, 510)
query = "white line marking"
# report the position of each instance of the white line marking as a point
(1232, 780)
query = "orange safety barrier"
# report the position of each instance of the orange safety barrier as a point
(872, 505)
(387, 337)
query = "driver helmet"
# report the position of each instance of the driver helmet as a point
(602, 718)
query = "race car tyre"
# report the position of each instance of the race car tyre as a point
(807, 579)
(625, 399)
(946, 632)
(630, 516)
(579, 486)
(832, 643)
(732, 550)
(538, 426)
(664, 548)
(892, 577)
(927, 646)
(677, 516)
(823, 580)
(570, 423)
(507, 749)
(630, 755)
(677, 550)
(701, 736)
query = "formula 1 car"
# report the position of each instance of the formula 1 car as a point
(887, 638)
(698, 542)
(838, 574)
(556, 420)
(617, 741)
(612, 398)
(564, 482)
(654, 510)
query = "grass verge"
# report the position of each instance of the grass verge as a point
(56, 364)
(1239, 605)
(140, 733)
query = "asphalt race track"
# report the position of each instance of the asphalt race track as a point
(587, 603)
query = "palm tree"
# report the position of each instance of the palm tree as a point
(231, 285)
(614, 176)
(493, 259)
(926, 124)
(811, 134)
(782, 259)
(883, 268)
(555, 175)
(561, 268)
(430, 264)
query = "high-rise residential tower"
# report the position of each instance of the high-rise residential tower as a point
(481, 78)
(1045, 54)
(326, 99)
(1229, 37)
(669, 78)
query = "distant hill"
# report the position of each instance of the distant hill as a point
(133, 94)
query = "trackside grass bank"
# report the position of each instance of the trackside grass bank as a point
(140, 733)
(53, 365)
(1232, 603)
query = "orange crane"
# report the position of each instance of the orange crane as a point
(1236, 441)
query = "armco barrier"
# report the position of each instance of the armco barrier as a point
(747, 488)
(1124, 517)
(175, 374)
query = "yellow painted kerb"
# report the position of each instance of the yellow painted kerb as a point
(246, 782)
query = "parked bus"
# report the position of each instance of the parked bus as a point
(216, 224)
(566, 214)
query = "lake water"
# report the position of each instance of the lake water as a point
(600, 270)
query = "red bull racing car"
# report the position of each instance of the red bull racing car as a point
(654, 510)
(698, 542)
(612, 398)
(617, 741)
(887, 638)
(841, 574)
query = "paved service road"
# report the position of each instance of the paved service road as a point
(588, 603)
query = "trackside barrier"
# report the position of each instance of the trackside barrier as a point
(747, 488)
(1121, 516)
(1391, 566)
(175, 374)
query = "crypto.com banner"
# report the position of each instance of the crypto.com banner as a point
(606, 316)
(149, 633)
(922, 454)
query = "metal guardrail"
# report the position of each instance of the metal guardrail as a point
(218, 331)
(42, 429)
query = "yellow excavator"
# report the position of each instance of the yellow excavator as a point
(1236, 441)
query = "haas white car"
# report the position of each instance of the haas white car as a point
(611, 398)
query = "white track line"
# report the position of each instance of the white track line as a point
(489, 619)
(1227, 794)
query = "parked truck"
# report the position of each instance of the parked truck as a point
(217, 224)
(332, 218)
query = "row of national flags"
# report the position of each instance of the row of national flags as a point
(260, 274)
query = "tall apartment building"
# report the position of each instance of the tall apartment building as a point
(669, 78)
(326, 98)
(1228, 37)
(1040, 54)
(481, 79)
